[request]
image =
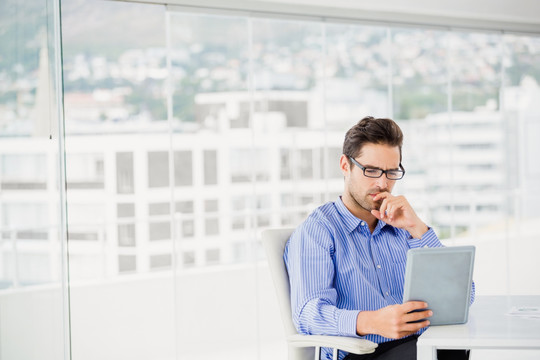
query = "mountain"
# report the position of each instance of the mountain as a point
(110, 27)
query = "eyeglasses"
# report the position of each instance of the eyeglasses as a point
(377, 173)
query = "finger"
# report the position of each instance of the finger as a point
(401, 205)
(397, 206)
(414, 327)
(390, 211)
(382, 195)
(376, 213)
(416, 316)
(382, 209)
(391, 207)
(396, 203)
(414, 305)
(395, 212)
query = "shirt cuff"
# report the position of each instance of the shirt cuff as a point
(429, 239)
(347, 322)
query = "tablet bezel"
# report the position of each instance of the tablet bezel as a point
(418, 259)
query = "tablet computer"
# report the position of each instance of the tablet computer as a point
(442, 277)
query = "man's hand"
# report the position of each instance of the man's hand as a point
(393, 321)
(396, 211)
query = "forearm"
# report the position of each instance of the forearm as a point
(319, 317)
(418, 230)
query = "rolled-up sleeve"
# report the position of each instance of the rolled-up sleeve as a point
(429, 239)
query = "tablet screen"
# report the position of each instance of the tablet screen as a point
(442, 277)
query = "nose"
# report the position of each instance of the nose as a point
(382, 182)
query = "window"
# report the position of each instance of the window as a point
(187, 228)
(210, 167)
(332, 158)
(184, 207)
(212, 255)
(183, 168)
(126, 235)
(211, 206)
(159, 230)
(161, 208)
(247, 162)
(23, 171)
(211, 222)
(127, 263)
(285, 163)
(240, 252)
(419, 89)
(25, 221)
(158, 169)
(249, 138)
(125, 210)
(188, 258)
(306, 164)
(211, 226)
(124, 173)
(160, 261)
(85, 171)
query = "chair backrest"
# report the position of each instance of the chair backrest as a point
(274, 241)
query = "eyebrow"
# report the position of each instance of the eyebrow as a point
(376, 167)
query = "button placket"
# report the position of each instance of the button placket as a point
(380, 277)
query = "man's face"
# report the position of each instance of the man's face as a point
(361, 189)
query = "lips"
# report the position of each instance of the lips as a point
(378, 191)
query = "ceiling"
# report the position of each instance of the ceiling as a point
(494, 15)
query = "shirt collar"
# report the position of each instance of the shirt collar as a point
(351, 222)
(380, 225)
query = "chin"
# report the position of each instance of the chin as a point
(369, 205)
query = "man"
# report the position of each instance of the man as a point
(346, 261)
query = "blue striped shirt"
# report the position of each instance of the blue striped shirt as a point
(338, 268)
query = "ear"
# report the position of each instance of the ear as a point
(344, 165)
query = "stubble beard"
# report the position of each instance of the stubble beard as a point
(366, 202)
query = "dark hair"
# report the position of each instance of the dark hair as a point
(372, 131)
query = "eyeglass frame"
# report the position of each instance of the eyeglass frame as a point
(385, 172)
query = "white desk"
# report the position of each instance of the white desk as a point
(489, 327)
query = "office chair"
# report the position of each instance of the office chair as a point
(301, 347)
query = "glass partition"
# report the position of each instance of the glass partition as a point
(521, 125)
(32, 282)
(212, 128)
(187, 134)
(118, 161)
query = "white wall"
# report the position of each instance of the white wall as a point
(230, 312)
(31, 324)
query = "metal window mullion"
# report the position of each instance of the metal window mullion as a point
(62, 182)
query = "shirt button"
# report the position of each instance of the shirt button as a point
(387, 293)
(378, 266)
(362, 223)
